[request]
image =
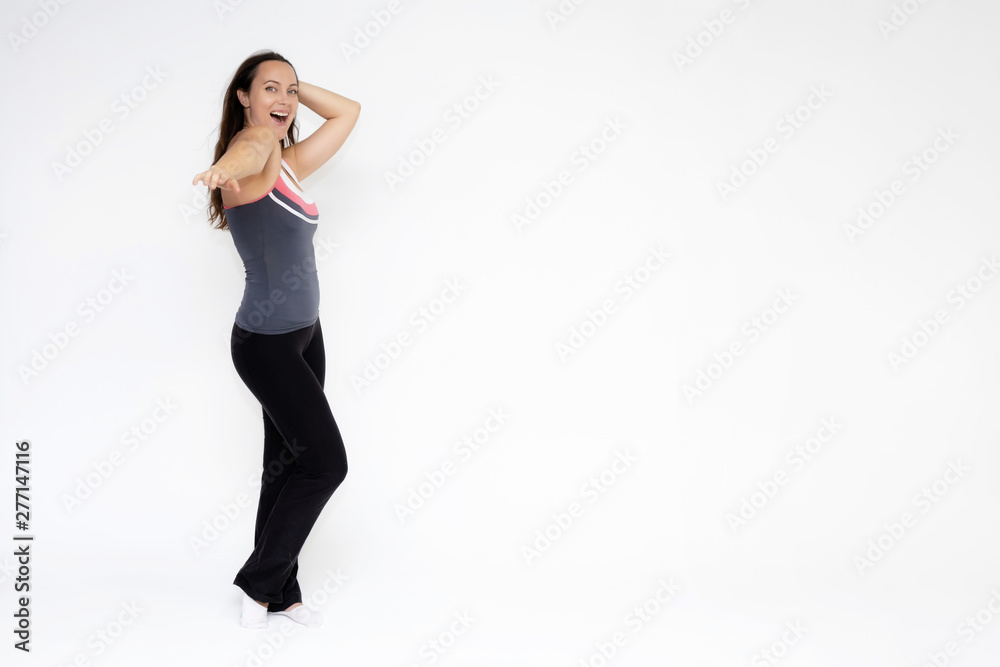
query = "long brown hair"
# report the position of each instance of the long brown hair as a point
(232, 122)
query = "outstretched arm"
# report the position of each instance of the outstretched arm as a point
(340, 113)
(246, 156)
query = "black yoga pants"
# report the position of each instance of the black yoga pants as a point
(304, 456)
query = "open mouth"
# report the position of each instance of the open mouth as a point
(279, 118)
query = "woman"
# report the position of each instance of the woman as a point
(277, 342)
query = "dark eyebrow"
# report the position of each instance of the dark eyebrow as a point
(279, 83)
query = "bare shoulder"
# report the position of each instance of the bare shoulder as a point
(246, 133)
(254, 186)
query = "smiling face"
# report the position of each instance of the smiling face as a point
(272, 100)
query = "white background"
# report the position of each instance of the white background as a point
(819, 552)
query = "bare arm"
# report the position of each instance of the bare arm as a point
(341, 114)
(245, 156)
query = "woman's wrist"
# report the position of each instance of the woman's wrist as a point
(325, 103)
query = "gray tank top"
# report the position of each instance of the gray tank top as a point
(274, 237)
